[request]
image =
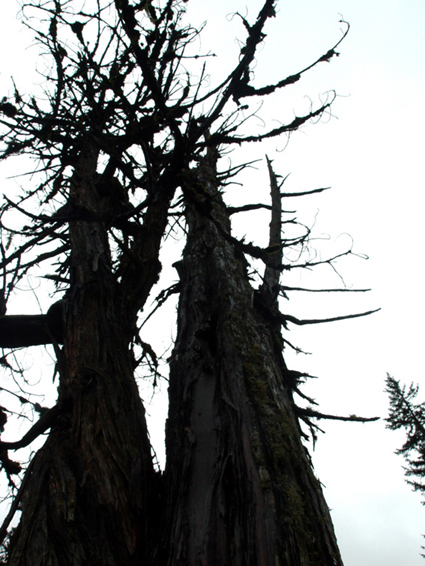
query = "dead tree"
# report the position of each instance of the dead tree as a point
(127, 143)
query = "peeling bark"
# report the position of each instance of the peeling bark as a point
(239, 482)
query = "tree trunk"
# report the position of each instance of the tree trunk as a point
(239, 482)
(88, 498)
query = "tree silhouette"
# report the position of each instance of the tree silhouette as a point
(127, 141)
(405, 413)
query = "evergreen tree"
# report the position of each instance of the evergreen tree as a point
(410, 416)
(406, 414)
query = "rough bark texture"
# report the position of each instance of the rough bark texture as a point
(89, 493)
(239, 482)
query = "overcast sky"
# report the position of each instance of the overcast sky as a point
(371, 151)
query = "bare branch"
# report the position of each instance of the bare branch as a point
(270, 285)
(46, 421)
(246, 89)
(310, 413)
(303, 322)
(285, 288)
(293, 126)
(248, 207)
(304, 193)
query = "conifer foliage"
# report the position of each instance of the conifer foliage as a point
(408, 415)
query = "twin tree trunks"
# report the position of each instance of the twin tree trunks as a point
(128, 138)
(238, 488)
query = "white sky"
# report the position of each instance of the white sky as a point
(371, 153)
